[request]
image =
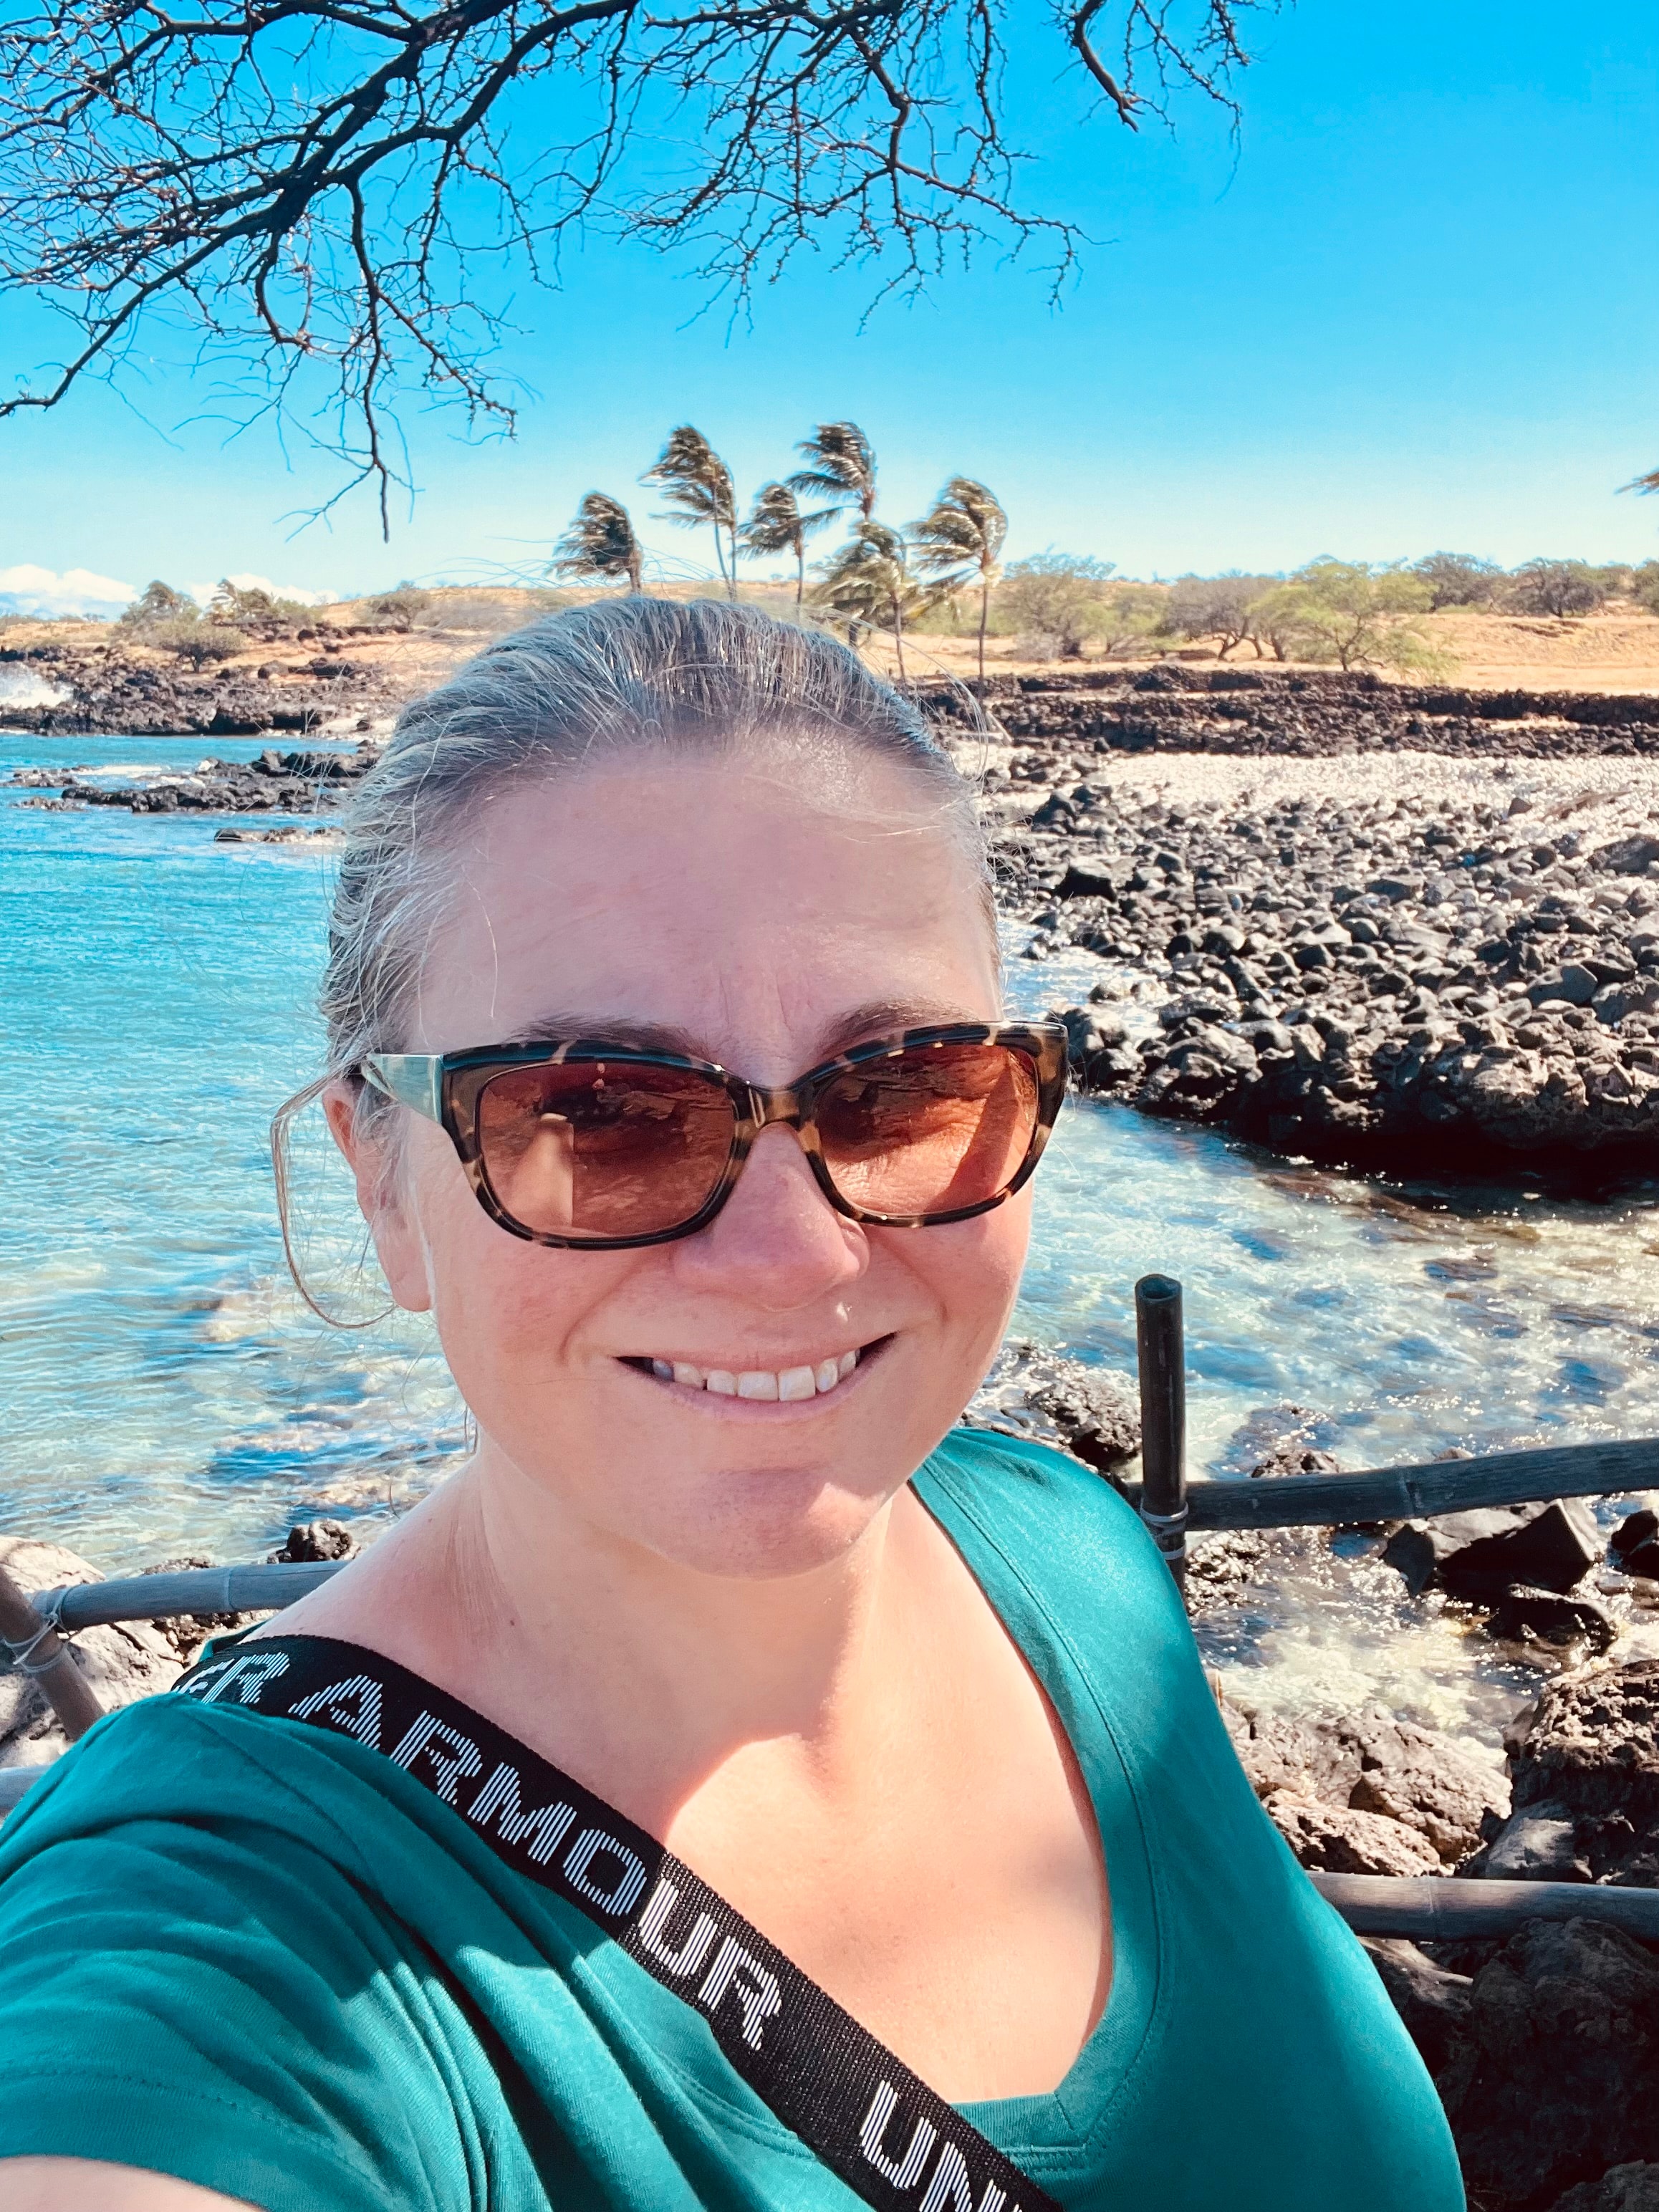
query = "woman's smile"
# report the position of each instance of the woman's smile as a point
(735, 1388)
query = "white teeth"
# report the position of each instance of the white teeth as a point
(793, 1385)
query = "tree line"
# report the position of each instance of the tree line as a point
(1060, 605)
(936, 573)
(1356, 612)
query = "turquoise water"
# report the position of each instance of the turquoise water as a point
(163, 1389)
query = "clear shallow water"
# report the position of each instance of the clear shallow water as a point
(163, 1388)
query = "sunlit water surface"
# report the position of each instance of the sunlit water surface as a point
(164, 1390)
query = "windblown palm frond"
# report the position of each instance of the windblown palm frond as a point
(775, 524)
(869, 579)
(698, 485)
(841, 467)
(960, 542)
(600, 541)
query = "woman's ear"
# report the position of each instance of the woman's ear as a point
(382, 1200)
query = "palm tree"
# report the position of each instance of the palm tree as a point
(776, 524)
(600, 541)
(697, 484)
(869, 579)
(841, 467)
(962, 539)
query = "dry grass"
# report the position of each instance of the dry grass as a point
(1615, 650)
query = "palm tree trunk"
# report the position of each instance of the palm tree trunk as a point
(800, 574)
(984, 616)
(898, 637)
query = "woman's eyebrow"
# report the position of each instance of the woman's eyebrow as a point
(884, 1017)
(644, 1036)
(878, 1018)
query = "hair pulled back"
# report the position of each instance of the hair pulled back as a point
(663, 677)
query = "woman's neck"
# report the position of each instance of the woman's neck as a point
(643, 1676)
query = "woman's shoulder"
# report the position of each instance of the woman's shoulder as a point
(170, 1758)
(1062, 1527)
(1082, 1588)
(195, 1953)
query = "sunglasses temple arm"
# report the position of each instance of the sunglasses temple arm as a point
(414, 1080)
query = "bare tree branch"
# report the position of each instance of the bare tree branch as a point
(337, 194)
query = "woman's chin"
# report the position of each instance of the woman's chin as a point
(755, 1524)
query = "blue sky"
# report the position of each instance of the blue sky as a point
(1421, 310)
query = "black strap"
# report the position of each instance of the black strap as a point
(863, 2112)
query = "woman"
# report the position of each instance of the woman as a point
(740, 1786)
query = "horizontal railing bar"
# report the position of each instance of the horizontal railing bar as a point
(1411, 1493)
(1428, 1907)
(1282, 1501)
(265, 1588)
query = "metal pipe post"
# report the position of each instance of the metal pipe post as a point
(37, 1649)
(1162, 1346)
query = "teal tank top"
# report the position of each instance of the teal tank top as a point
(265, 1959)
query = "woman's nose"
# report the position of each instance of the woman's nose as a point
(777, 1239)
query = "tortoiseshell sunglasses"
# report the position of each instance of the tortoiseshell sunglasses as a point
(602, 1146)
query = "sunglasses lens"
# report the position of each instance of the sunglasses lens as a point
(929, 1130)
(602, 1148)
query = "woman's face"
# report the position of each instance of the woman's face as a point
(763, 914)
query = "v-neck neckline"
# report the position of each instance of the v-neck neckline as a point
(1057, 2134)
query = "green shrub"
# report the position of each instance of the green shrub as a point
(198, 641)
(400, 609)
(1352, 613)
(1052, 603)
(231, 603)
(1556, 587)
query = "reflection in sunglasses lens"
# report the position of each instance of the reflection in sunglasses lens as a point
(602, 1148)
(929, 1130)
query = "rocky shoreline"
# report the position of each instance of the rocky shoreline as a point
(1318, 713)
(310, 782)
(1429, 952)
(105, 691)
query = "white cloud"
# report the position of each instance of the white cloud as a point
(29, 590)
(245, 581)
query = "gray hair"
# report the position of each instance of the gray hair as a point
(592, 684)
